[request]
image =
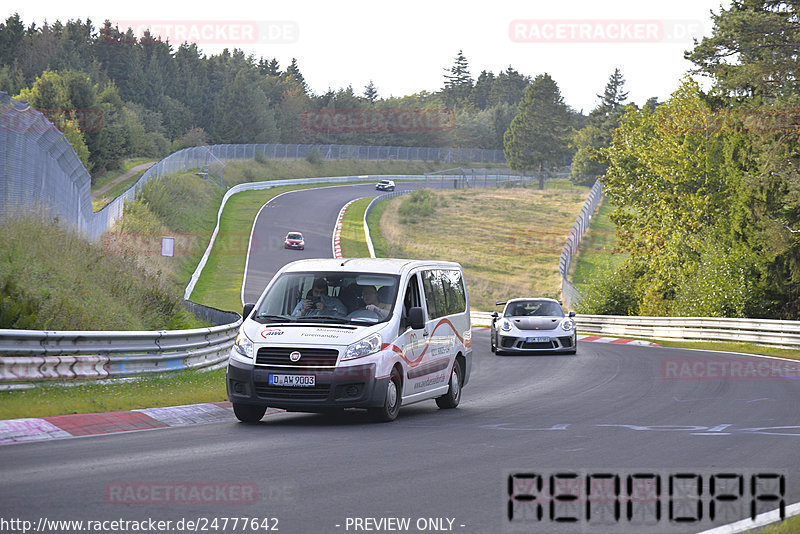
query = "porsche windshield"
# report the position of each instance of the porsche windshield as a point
(357, 298)
(538, 308)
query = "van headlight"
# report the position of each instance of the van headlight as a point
(365, 347)
(244, 346)
(505, 325)
(567, 324)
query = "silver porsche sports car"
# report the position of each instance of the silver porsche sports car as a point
(533, 325)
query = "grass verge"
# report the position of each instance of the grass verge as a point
(596, 254)
(116, 191)
(744, 348)
(508, 240)
(789, 526)
(183, 387)
(353, 239)
(125, 166)
(379, 242)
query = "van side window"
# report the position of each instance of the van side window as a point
(444, 292)
(454, 292)
(434, 293)
(410, 300)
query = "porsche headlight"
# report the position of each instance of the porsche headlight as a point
(244, 346)
(505, 326)
(567, 324)
(365, 347)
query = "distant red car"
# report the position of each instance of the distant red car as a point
(294, 240)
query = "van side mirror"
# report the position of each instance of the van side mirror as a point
(572, 314)
(416, 318)
(248, 309)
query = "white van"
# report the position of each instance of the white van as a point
(353, 333)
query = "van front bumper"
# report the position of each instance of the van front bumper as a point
(341, 387)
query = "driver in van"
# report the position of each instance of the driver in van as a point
(319, 303)
(373, 304)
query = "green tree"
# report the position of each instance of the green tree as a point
(243, 114)
(752, 50)
(12, 34)
(457, 82)
(295, 77)
(589, 140)
(666, 181)
(538, 136)
(371, 93)
(612, 102)
(508, 87)
(479, 96)
(586, 142)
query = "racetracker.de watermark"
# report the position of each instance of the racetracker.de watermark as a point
(728, 368)
(394, 120)
(181, 493)
(604, 31)
(233, 32)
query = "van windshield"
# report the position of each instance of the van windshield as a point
(329, 297)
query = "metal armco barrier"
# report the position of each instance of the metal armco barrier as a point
(39, 355)
(758, 331)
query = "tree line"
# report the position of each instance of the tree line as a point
(706, 186)
(154, 97)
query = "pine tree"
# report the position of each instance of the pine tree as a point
(612, 101)
(371, 93)
(538, 136)
(458, 83)
(294, 75)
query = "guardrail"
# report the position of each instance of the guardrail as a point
(766, 332)
(41, 355)
(759, 331)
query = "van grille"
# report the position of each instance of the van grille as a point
(309, 357)
(266, 391)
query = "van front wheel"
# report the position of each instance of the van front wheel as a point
(453, 395)
(391, 403)
(247, 413)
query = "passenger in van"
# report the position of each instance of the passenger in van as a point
(373, 304)
(319, 302)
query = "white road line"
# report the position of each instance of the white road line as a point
(761, 520)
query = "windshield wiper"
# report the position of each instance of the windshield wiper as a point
(363, 321)
(275, 317)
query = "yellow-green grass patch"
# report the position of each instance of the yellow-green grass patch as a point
(507, 240)
(353, 239)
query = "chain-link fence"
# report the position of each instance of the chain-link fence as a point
(569, 293)
(40, 171)
(400, 153)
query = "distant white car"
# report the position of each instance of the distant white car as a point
(385, 185)
(533, 325)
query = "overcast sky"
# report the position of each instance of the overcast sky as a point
(405, 46)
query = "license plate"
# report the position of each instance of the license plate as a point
(292, 380)
(537, 340)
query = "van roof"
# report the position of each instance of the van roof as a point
(367, 265)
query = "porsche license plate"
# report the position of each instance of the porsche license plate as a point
(292, 380)
(537, 340)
